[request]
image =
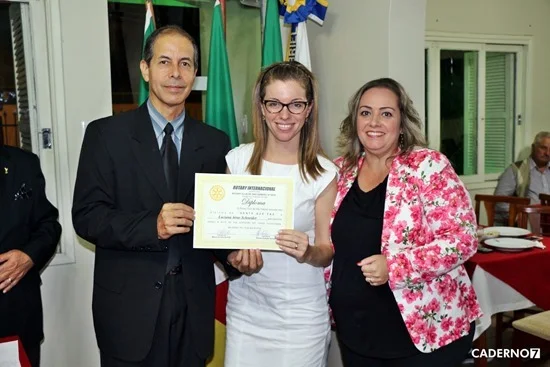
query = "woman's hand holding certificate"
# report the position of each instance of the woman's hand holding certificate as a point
(241, 211)
(294, 243)
(246, 261)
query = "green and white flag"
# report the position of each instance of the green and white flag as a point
(220, 110)
(149, 29)
(272, 49)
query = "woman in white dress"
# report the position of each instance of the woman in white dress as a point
(279, 316)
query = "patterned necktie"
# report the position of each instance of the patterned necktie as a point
(170, 160)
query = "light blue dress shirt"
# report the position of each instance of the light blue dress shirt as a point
(159, 123)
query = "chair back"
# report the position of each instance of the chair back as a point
(489, 202)
(544, 199)
(536, 216)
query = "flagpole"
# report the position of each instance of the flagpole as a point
(222, 3)
(262, 18)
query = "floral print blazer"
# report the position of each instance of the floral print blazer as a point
(429, 231)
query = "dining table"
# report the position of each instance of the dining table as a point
(508, 280)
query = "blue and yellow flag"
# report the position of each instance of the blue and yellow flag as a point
(294, 32)
(297, 11)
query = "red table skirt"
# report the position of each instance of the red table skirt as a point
(528, 272)
(23, 359)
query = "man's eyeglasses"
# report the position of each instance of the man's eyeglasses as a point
(296, 107)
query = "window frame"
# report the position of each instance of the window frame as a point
(482, 43)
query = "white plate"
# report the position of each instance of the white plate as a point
(507, 231)
(510, 244)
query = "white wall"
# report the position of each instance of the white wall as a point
(360, 40)
(67, 289)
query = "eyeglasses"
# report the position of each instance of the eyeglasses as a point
(296, 107)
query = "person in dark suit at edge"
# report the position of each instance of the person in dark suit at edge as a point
(29, 233)
(153, 295)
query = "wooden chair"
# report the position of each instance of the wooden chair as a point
(545, 200)
(537, 216)
(489, 202)
(531, 331)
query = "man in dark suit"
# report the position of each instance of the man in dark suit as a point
(29, 232)
(153, 298)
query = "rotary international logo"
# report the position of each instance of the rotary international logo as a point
(217, 193)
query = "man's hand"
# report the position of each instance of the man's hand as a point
(246, 261)
(14, 265)
(174, 218)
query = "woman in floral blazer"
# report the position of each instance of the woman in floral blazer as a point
(402, 227)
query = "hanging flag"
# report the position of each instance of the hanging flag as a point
(220, 110)
(148, 30)
(296, 11)
(294, 31)
(297, 44)
(272, 51)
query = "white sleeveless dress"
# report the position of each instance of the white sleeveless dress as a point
(279, 316)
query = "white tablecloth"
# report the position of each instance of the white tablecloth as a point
(495, 296)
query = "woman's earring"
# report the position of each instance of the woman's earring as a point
(401, 141)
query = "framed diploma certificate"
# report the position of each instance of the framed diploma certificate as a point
(241, 211)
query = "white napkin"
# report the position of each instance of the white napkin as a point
(539, 244)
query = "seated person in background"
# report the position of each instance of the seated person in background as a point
(527, 178)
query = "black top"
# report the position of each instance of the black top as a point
(367, 318)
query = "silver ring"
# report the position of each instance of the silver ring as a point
(9, 280)
(296, 247)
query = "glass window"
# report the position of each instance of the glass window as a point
(472, 101)
(458, 109)
(15, 98)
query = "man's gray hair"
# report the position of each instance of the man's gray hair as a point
(540, 136)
